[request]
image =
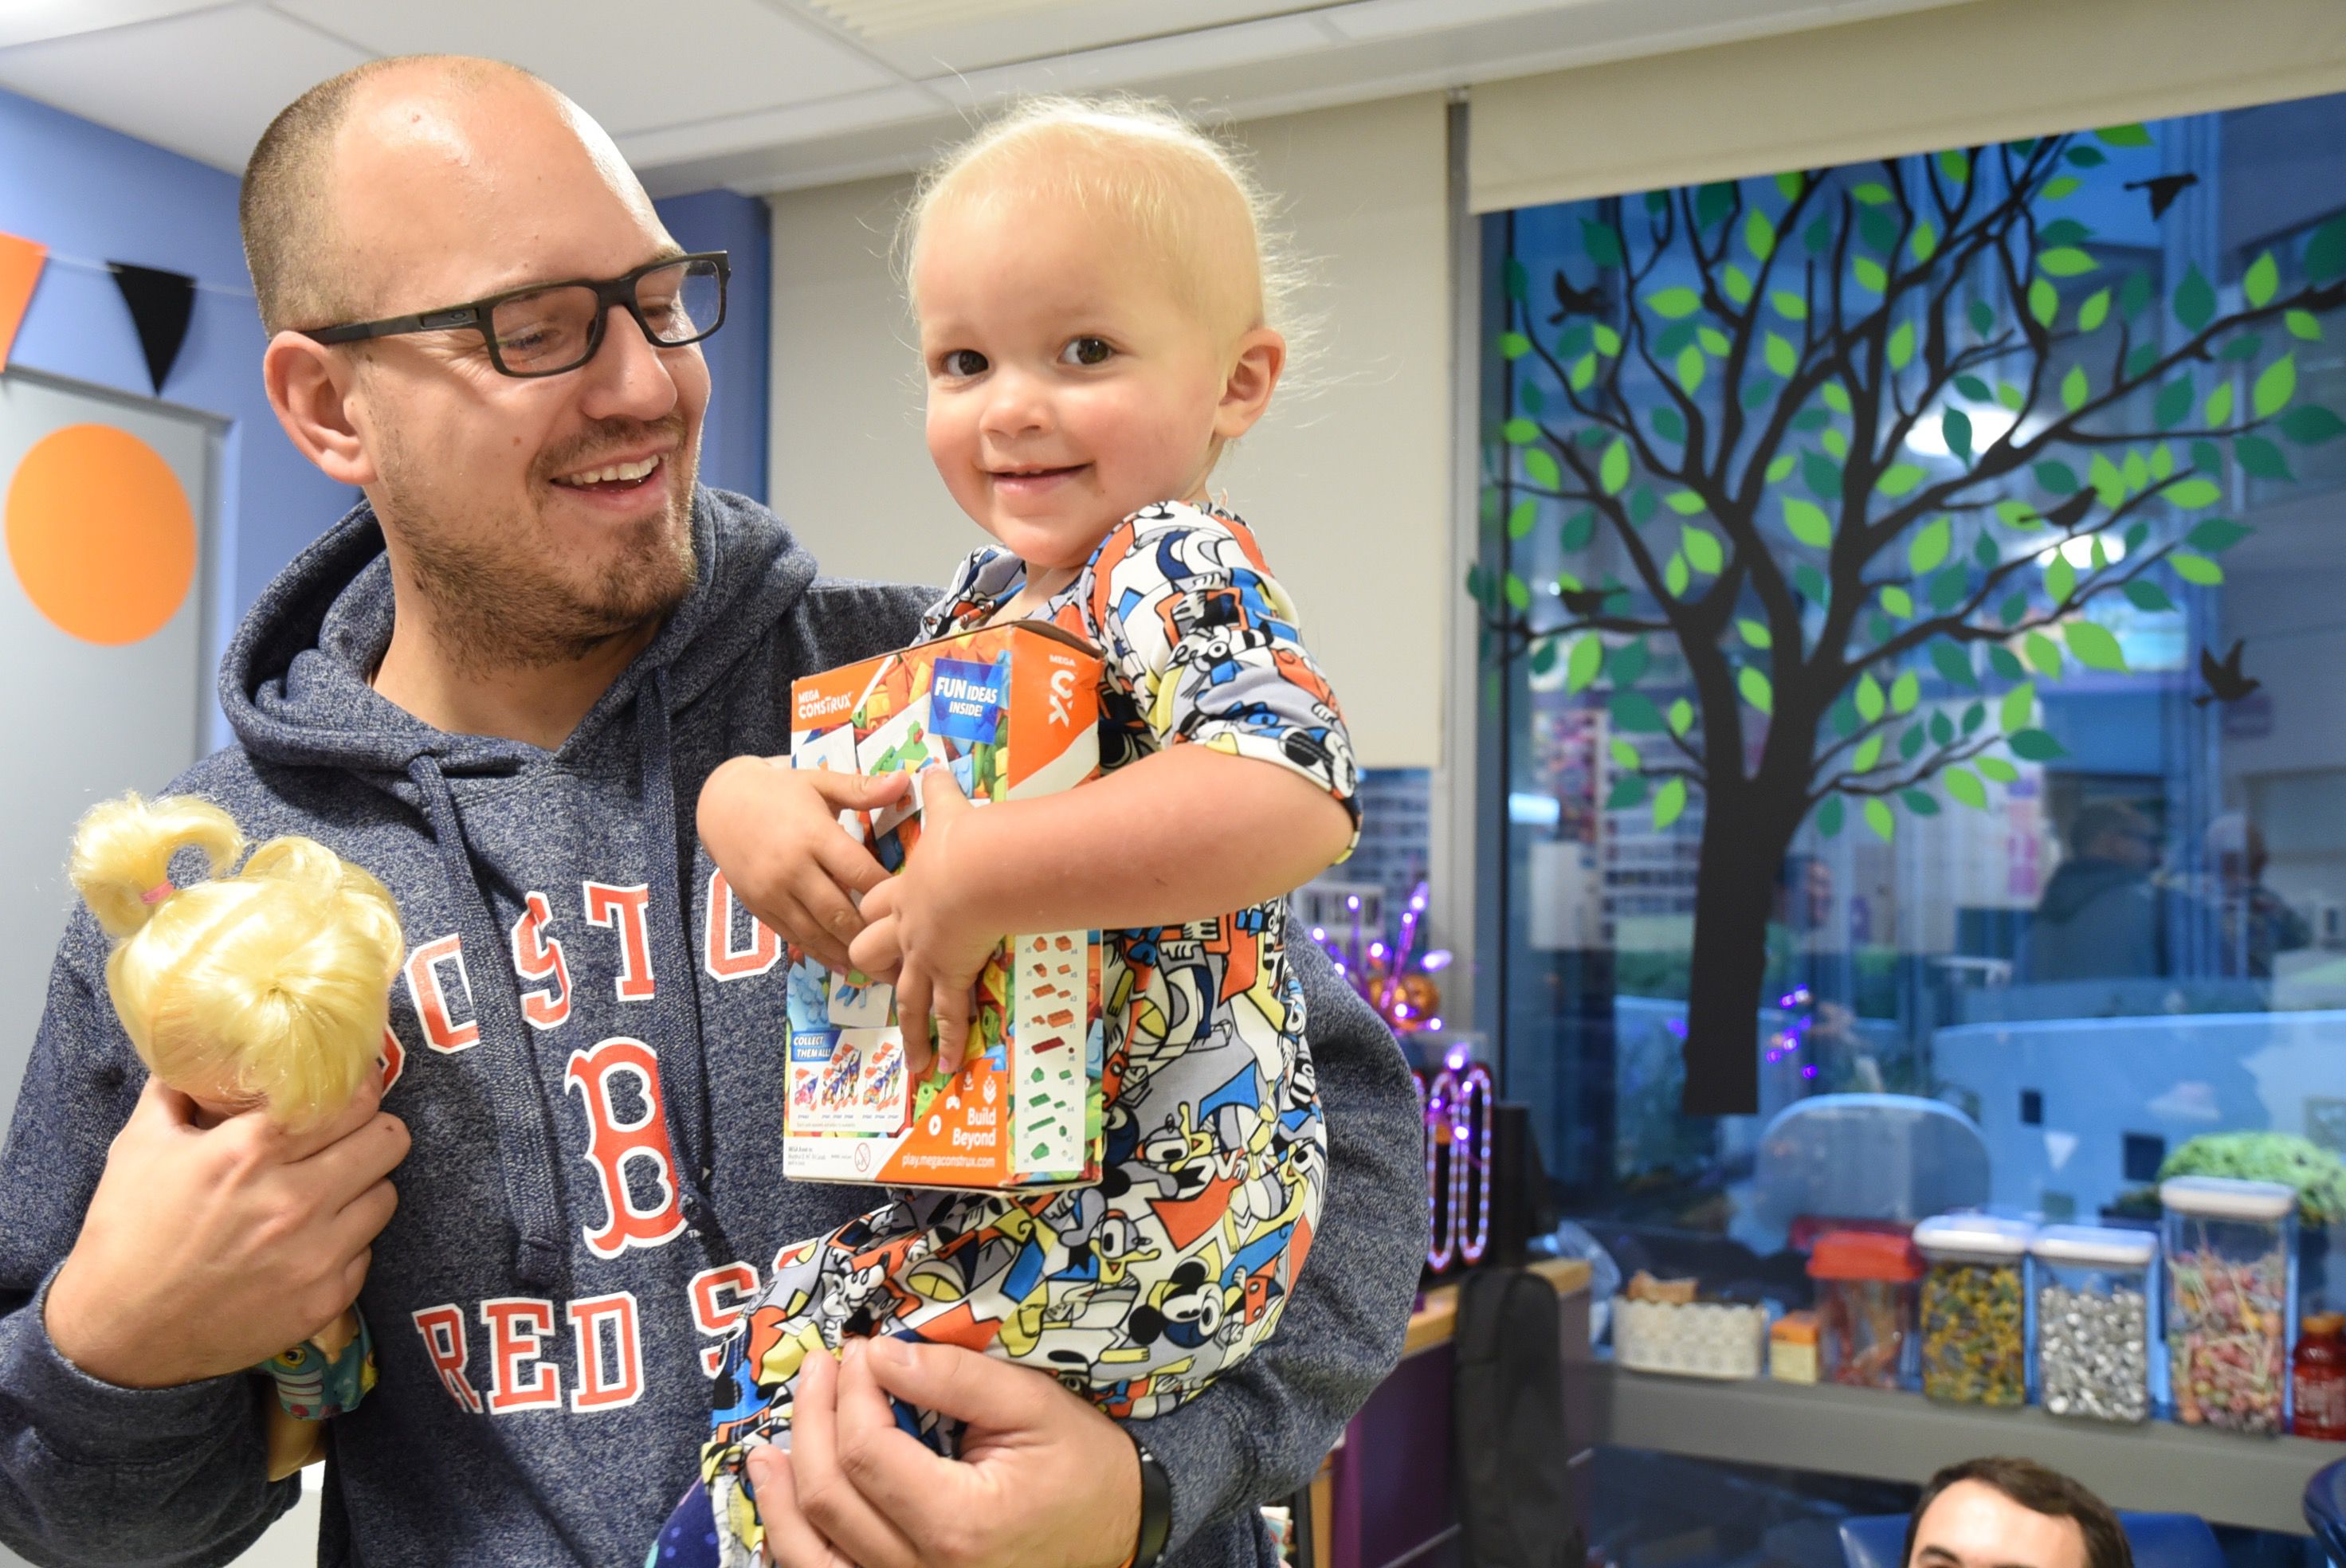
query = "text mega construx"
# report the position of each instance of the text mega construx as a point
(1013, 711)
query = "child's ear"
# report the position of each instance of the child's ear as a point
(1255, 364)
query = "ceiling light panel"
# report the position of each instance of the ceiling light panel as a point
(632, 68)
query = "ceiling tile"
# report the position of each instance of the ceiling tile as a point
(935, 37)
(31, 21)
(770, 127)
(205, 84)
(633, 68)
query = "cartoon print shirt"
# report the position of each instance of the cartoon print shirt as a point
(1199, 639)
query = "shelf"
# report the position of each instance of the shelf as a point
(2158, 1466)
(1436, 1317)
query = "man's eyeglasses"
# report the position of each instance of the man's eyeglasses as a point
(546, 329)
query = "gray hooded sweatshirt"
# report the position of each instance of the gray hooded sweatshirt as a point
(589, 1034)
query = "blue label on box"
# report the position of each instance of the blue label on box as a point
(813, 1045)
(965, 700)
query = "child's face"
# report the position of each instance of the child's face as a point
(1069, 383)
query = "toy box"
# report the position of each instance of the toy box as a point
(1013, 712)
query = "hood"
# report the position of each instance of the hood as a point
(294, 686)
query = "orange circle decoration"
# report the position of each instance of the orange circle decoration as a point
(100, 534)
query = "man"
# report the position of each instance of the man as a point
(2100, 915)
(2012, 1513)
(499, 684)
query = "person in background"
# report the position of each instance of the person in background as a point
(2100, 916)
(2012, 1513)
(2253, 922)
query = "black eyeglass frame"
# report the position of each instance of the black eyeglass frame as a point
(476, 315)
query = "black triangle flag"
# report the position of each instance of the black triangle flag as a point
(161, 303)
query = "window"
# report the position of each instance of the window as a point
(1916, 595)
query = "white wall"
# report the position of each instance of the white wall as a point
(1348, 486)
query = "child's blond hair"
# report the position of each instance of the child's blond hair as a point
(270, 985)
(1141, 160)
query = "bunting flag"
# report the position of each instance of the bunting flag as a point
(20, 269)
(161, 303)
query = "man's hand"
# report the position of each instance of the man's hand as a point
(921, 925)
(774, 831)
(207, 1250)
(1044, 1480)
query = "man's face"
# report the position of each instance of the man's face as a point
(537, 517)
(1973, 1526)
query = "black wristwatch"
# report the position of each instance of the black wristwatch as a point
(1156, 1508)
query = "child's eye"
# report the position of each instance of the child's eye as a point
(1087, 351)
(962, 362)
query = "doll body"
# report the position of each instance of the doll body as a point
(259, 993)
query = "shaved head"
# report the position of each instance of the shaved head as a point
(306, 261)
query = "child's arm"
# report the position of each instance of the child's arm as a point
(1247, 794)
(1181, 835)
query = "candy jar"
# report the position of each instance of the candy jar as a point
(2095, 1332)
(1865, 1308)
(2318, 1378)
(2229, 1301)
(1974, 1309)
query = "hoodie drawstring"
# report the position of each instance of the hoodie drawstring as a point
(677, 1045)
(525, 1143)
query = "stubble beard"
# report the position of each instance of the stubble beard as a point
(496, 597)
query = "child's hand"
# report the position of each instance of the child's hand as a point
(923, 923)
(774, 831)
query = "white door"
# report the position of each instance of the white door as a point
(82, 719)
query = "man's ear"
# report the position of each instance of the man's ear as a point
(311, 388)
(1261, 356)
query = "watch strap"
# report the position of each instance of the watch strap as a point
(1156, 1509)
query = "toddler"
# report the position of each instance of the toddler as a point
(1090, 290)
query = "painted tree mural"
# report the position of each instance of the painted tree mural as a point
(1866, 447)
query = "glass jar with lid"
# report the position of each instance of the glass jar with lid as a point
(1866, 1308)
(2229, 1306)
(1975, 1309)
(2096, 1327)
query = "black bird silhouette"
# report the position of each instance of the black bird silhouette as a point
(2072, 511)
(1576, 301)
(1585, 601)
(2163, 189)
(2224, 681)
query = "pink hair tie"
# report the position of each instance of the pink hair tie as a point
(158, 893)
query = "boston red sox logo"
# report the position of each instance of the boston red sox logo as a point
(613, 1144)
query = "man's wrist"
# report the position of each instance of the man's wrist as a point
(79, 1337)
(1156, 1507)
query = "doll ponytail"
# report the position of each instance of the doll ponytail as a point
(122, 854)
(268, 985)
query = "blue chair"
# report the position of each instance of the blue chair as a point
(2158, 1539)
(2325, 1509)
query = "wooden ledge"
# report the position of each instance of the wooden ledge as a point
(1436, 1318)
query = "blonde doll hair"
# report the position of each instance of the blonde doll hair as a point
(266, 986)
(1192, 199)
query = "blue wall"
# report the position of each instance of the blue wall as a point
(733, 442)
(93, 195)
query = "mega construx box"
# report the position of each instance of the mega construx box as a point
(1013, 712)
